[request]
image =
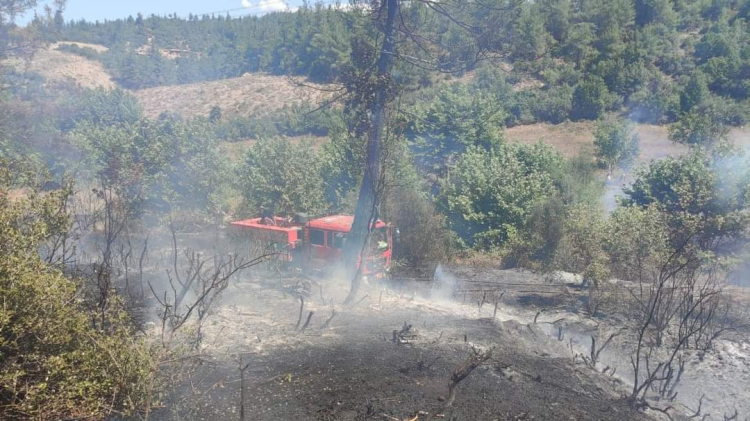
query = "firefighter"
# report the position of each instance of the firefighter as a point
(382, 241)
(264, 218)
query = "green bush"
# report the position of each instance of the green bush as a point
(425, 240)
(53, 363)
(454, 120)
(657, 102)
(281, 176)
(86, 52)
(490, 194)
(703, 128)
(582, 250)
(703, 196)
(636, 241)
(591, 99)
(695, 92)
(554, 105)
(617, 145)
(100, 107)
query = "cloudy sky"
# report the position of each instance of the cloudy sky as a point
(100, 10)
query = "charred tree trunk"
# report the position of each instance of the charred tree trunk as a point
(367, 202)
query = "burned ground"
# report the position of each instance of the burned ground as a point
(352, 369)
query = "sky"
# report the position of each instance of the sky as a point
(92, 10)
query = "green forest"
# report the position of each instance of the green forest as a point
(84, 173)
(653, 60)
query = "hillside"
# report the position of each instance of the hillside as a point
(249, 95)
(59, 66)
(260, 94)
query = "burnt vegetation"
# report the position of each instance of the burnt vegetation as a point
(127, 293)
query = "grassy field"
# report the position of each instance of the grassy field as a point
(572, 137)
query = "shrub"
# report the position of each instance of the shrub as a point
(616, 144)
(453, 121)
(554, 105)
(657, 102)
(490, 194)
(215, 114)
(53, 363)
(702, 128)
(582, 250)
(536, 244)
(590, 99)
(86, 52)
(281, 176)
(695, 92)
(425, 240)
(636, 240)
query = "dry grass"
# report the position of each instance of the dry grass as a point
(567, 138)
(65, 67)
(571, 137)
(250, 95)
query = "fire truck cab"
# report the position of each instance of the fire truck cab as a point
(317, 245)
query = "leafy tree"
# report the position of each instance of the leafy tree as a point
(616, 144)
(489, 194)
(554, 105)
(590, 99)
(657, 102)
(281, 176)
(654, 11)
(703, 199)
(557, 15)
(453, 121)
(341, 168)
(530, 34)
(582, 250)
(101, 107)
(156, 165)
(699, 128)
(215, 114)
(637, 239)
(685, 184)
(579, 44)
(743, 11)
(695, 92)
(712, 189)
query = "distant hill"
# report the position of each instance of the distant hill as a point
(250, 95)
(60, 66)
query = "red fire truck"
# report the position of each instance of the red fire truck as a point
(316, 245)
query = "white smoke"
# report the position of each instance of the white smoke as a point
(444, 284)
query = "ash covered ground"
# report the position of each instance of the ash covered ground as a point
(351, 369)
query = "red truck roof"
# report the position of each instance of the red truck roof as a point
(339, 223)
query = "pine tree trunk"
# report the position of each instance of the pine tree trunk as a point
(368, 195)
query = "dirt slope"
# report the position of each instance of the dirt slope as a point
(252, 94)
(65, 67)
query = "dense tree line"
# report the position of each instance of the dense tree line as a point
(574, 60)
